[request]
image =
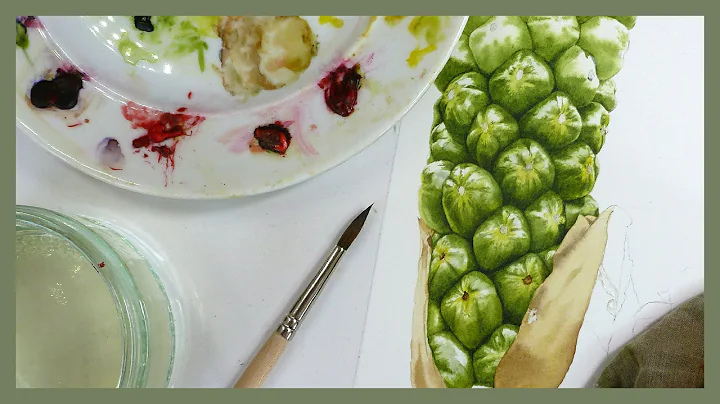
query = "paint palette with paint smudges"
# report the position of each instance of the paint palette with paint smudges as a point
(217, 107)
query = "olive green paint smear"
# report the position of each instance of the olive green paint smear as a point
(393, 19)
(21, 39)
(334, 21)
(423, 28)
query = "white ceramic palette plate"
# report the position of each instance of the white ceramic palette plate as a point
(154, 114)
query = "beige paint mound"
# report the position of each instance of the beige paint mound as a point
(264, 53)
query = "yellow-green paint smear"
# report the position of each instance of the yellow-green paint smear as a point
(184, 35)
(370, 23)
(418, 54)
(427, 29)
(393, 19)
(334, 21)
(134, 53)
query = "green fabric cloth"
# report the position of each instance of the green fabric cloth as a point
(671, 353)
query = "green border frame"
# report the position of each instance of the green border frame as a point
(365, 7)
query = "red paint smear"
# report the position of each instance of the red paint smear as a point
(87, 121)
(181, 109)
(190, 95)
(341, 88)
(102, 264)
(163, 131)
(74, 125)
(164, 151)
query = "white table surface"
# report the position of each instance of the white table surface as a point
(241, 263)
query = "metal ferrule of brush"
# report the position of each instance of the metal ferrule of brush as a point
(292, 321)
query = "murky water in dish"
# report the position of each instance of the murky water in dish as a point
(67, 330)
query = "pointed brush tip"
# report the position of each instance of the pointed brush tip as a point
(354, 229)
(362, 216)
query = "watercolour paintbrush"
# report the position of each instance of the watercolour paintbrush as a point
(265, 359)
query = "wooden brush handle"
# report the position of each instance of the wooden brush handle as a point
(262, 363)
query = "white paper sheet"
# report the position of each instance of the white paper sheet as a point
(651, 169)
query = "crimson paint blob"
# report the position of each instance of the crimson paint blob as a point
(341, 89)
(274, 137)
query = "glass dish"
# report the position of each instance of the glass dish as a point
(90, 308)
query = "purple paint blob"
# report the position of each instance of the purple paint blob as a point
(110, 154)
